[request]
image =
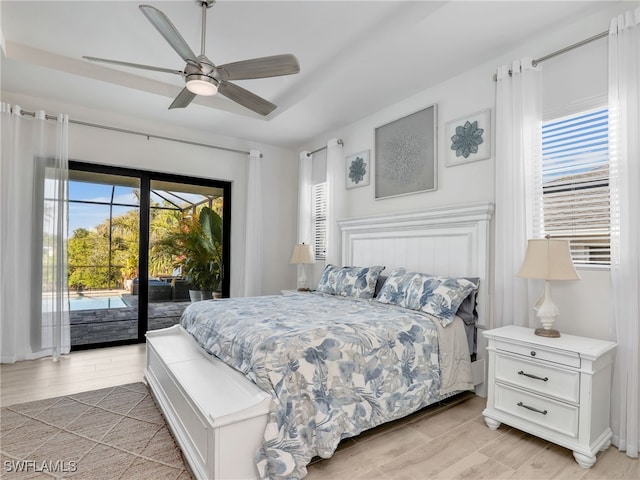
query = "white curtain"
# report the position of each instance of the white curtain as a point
(34, 305)
(305, 164)
(336, 206)
(305, 205)
(518, 184)
(624, 151)
(253, 230)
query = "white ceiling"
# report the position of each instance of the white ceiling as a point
(356, 57)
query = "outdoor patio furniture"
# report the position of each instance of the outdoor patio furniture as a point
(180, 289)
(159, 290)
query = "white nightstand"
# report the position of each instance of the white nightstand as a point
(554, 388)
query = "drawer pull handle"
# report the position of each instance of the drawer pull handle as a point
(533, 353)
(545, 379)
(543, 412)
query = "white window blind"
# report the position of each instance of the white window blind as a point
(575, 184)
(319, 220)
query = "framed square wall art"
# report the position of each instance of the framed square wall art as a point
(405, 155)
(468, 139)
(357, 170)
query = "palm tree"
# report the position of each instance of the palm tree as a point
(196, 246)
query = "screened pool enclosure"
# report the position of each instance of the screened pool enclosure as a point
(125, 274)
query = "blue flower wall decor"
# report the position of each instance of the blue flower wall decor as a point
(470, 138)
(466, 139)
(357, 174)
(357, 170)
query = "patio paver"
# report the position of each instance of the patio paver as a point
(113, 324)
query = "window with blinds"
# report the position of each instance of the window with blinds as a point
(319, 220)
(575, 184)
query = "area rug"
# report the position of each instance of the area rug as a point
(112, 433)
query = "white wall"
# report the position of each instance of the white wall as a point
(568, 79)
(95, 145)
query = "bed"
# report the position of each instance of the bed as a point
(288, 377)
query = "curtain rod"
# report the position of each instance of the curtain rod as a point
(339, 142)
(564, 50)
(133, 132)
(570, 47)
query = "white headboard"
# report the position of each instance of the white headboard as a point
(449, 241)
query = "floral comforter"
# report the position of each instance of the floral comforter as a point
(334, 367)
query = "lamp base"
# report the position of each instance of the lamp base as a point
(543, 332)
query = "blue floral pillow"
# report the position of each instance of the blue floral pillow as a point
(392, 291)
(438, 296)
(357, 282)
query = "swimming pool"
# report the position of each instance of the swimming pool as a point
(81, 302)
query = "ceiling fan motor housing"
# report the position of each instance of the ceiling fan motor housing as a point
(204, 78)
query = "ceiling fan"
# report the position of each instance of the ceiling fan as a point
(202, 76)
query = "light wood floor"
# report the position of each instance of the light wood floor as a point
(442, 442)
(78, 372)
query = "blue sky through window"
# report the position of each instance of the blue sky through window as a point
(89, 215)
(574, 145)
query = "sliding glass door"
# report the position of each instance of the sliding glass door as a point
(186, 248)
(104, 226)
(128, 268)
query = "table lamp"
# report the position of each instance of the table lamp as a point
(302, 256)
(548, 259)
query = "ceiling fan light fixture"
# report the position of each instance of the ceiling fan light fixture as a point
(202, 85)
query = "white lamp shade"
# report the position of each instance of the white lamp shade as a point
(302, 253)
(548, 259)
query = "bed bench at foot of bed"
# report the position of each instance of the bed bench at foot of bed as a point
(217, 417)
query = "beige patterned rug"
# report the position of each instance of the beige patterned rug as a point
(112, 433)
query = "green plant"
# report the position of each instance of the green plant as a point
(197, 248)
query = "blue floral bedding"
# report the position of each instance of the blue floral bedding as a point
(334, 367)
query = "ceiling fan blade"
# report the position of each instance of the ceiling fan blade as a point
(183, 99)
(135, 65)
(170, 33)
(263, 67)
(246, 98)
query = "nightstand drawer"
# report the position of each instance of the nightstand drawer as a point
(562, 357)
(547, 413)
(555, 382)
